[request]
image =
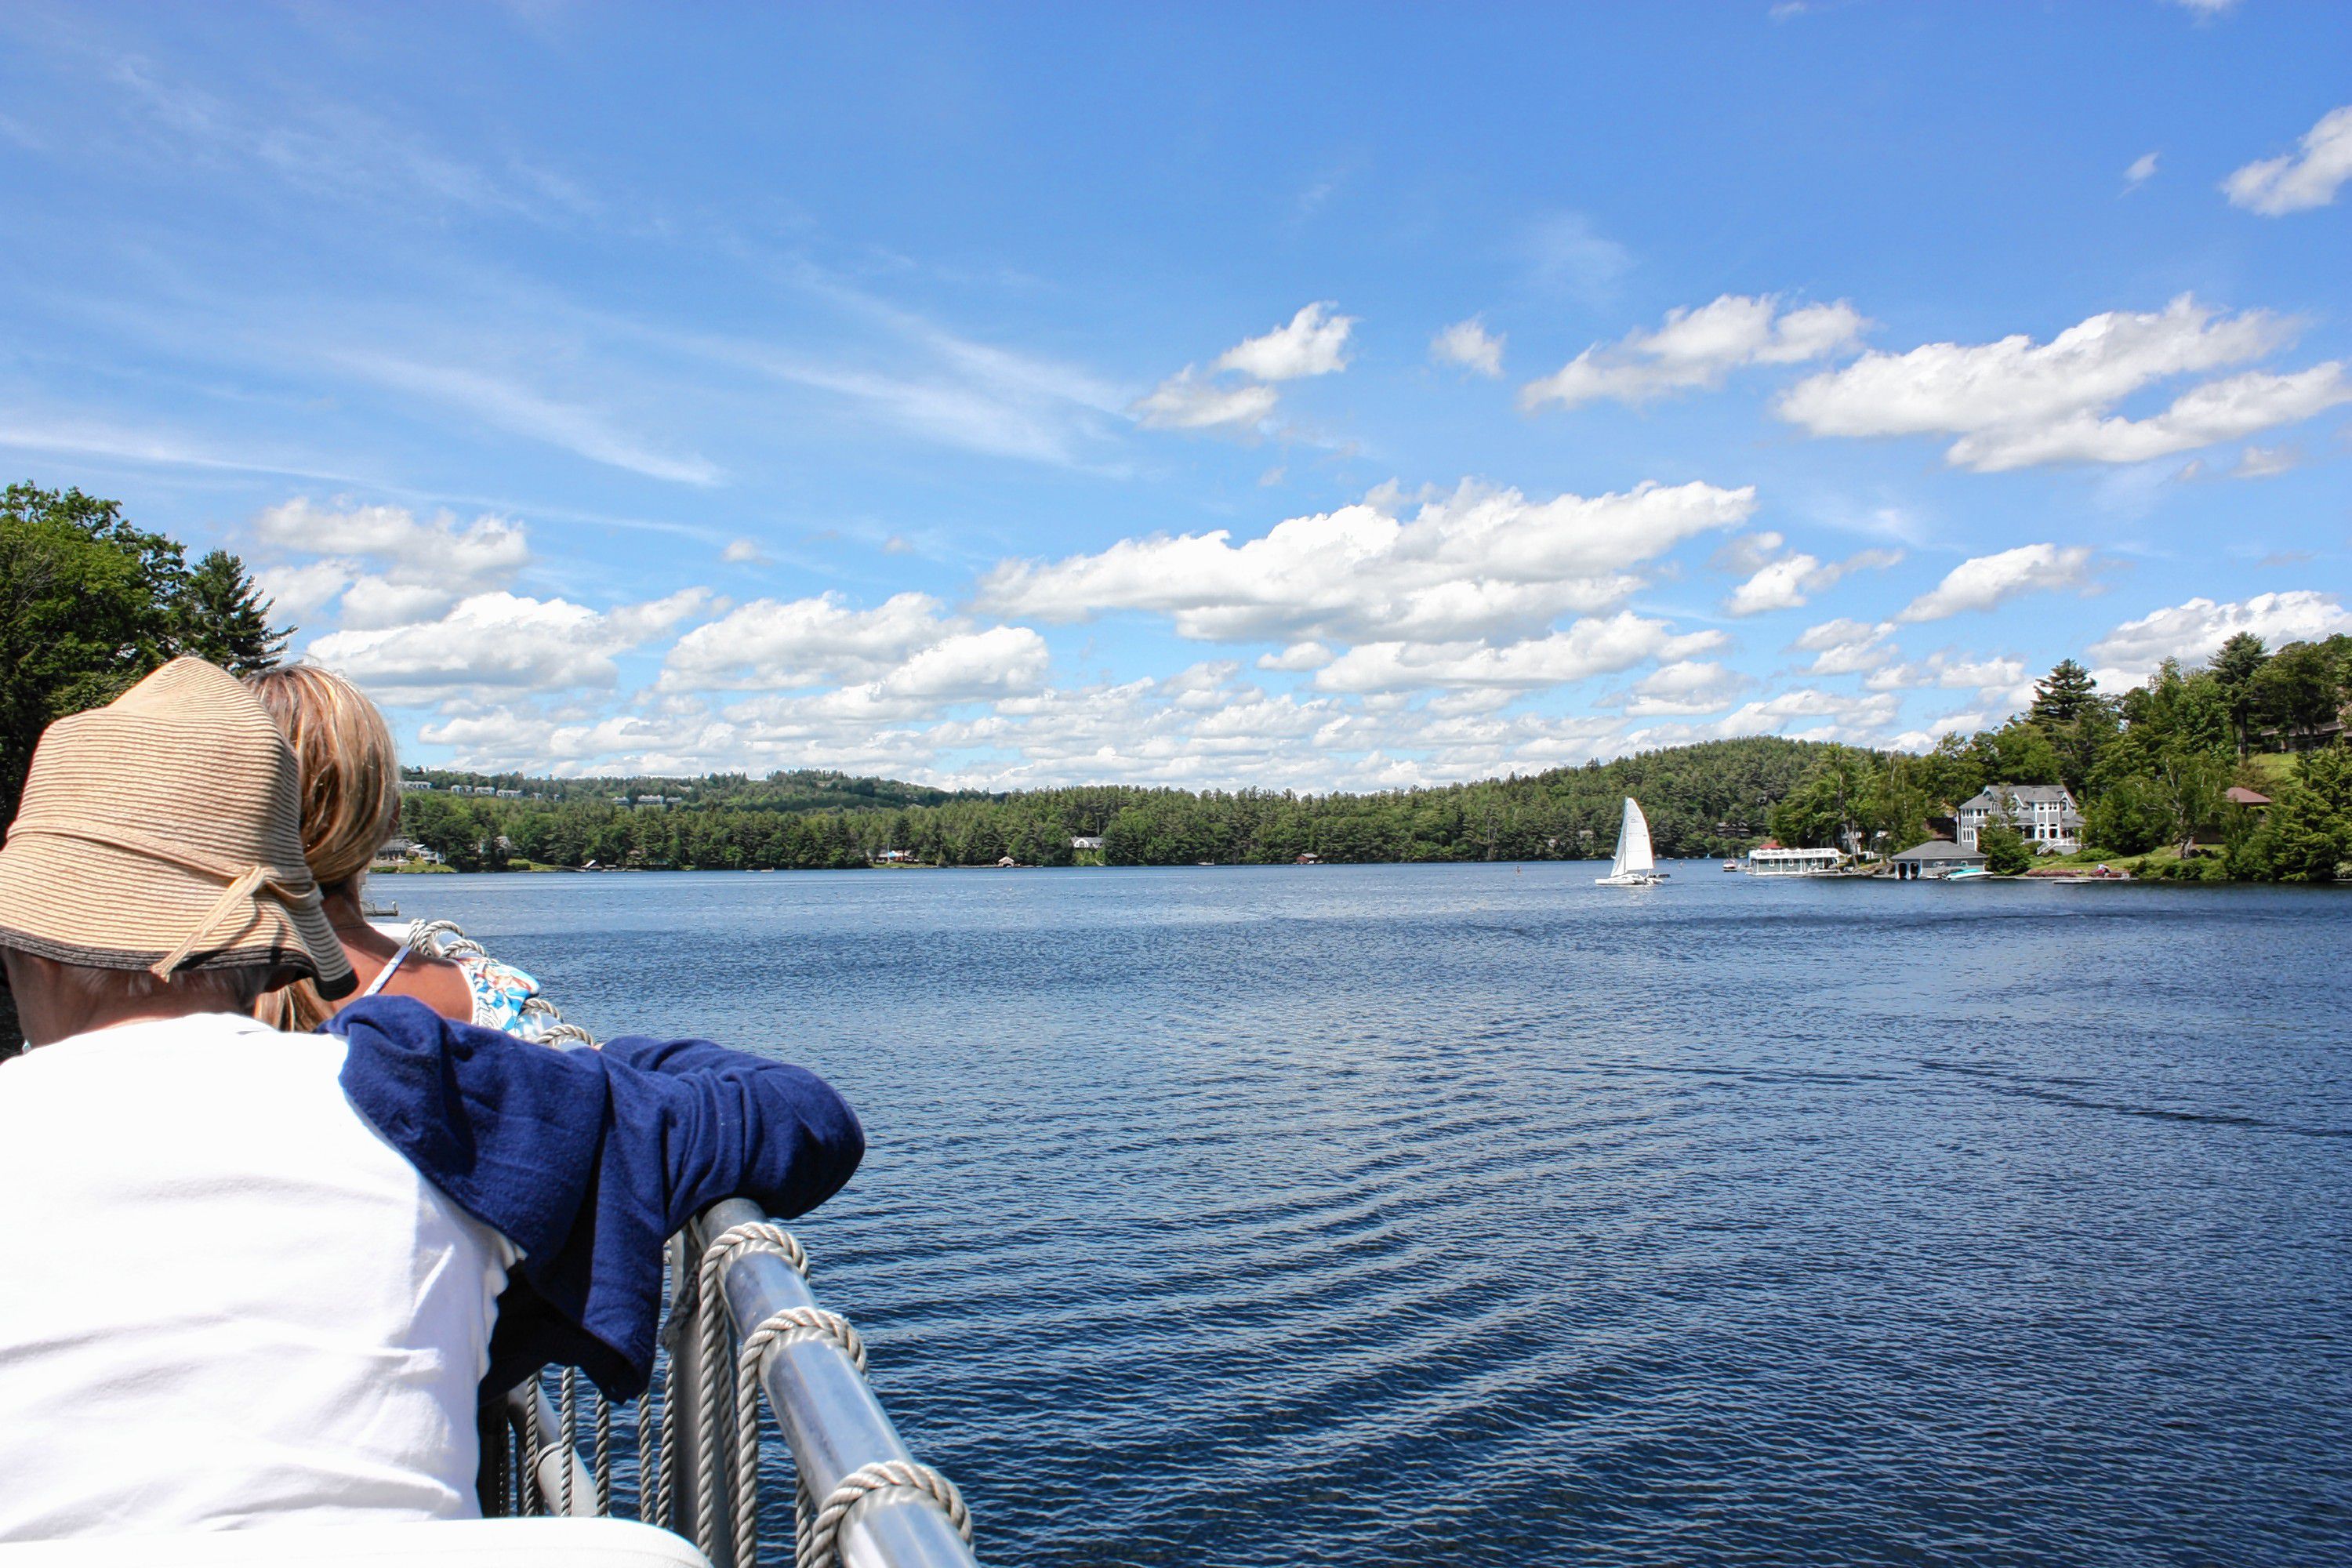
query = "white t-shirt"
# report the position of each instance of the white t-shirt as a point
(225, 1301)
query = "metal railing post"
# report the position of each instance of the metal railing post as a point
(829, 1414)
(546, 1468)
(685, 1395)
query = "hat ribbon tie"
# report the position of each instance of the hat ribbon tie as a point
(244, 887)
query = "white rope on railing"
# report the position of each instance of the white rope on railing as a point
(603, 1475)
(817, 1535)
(813, 1321)
(724, 1248)
(567, 1421)
(530, 1494)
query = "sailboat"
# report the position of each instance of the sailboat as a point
(1634, 867)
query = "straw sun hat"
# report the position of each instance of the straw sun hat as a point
(162, 832)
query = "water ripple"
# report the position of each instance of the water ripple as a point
(1398, 1215)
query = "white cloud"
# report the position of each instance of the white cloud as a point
(743, 553)
(2142, 169)
(2207, 8)
(372, 602)
(1183, 401)
(1844, 647)
(1787, 583)
(1686, 686)
(968, 666)
(298, 593)
(427, 564)
(1469, 345)
(2274, 186)
(1744, 553)
(499, 640)
(1475, 563)
(2263, 462)
(436, 552)
(1950, 672)
(771, 644)
(1315, 342)
(2015, 402)
(1698, 348)
(1804, 713)
(1298, 656)
(2192, 631)
(2218, 411)
(1594, 646)
(1984, 581)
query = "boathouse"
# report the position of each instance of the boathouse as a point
(1772, 860)
(1935, 859)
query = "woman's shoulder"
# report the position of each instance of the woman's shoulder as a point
(440, 983)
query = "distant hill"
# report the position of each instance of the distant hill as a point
(1712, 798)
(802, 789)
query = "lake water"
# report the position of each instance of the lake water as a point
(1474, 1214)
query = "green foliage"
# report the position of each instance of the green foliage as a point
(2006, 852)
(1950, 773)
(2234, 666)
(2147, 769)
(2306, 836)
(2019, 751)
(2063, 696)
(222, 616)
(1703, 800)
(2128, 818)
(87, 606)
(2300, 689)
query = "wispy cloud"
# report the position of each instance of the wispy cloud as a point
(151, 444)
(1468, 345)
(1566, 255)
(525, 410)
(2302, 180)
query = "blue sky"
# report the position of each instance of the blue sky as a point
(1310, 396)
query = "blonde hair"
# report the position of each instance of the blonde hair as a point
(350, 795)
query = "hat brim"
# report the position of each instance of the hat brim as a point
(58, 898)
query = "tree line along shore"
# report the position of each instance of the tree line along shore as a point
(92, 602)
(2152, 768)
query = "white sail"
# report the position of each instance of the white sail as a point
(1633, 844)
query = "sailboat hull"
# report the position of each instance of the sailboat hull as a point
(1629, 880)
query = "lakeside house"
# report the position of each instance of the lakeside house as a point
(399, 851)
(1086, 841)
(2044, 813)
(1935, 859)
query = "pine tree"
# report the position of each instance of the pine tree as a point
(224, 618)
(2235, 664)
(2063, 695)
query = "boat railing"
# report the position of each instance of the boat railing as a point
(688, 1455)
(743, 1330)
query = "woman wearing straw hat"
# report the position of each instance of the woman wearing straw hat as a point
(253, 1277)
(351, 805)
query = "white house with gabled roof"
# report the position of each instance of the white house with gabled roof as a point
(2044, 813)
